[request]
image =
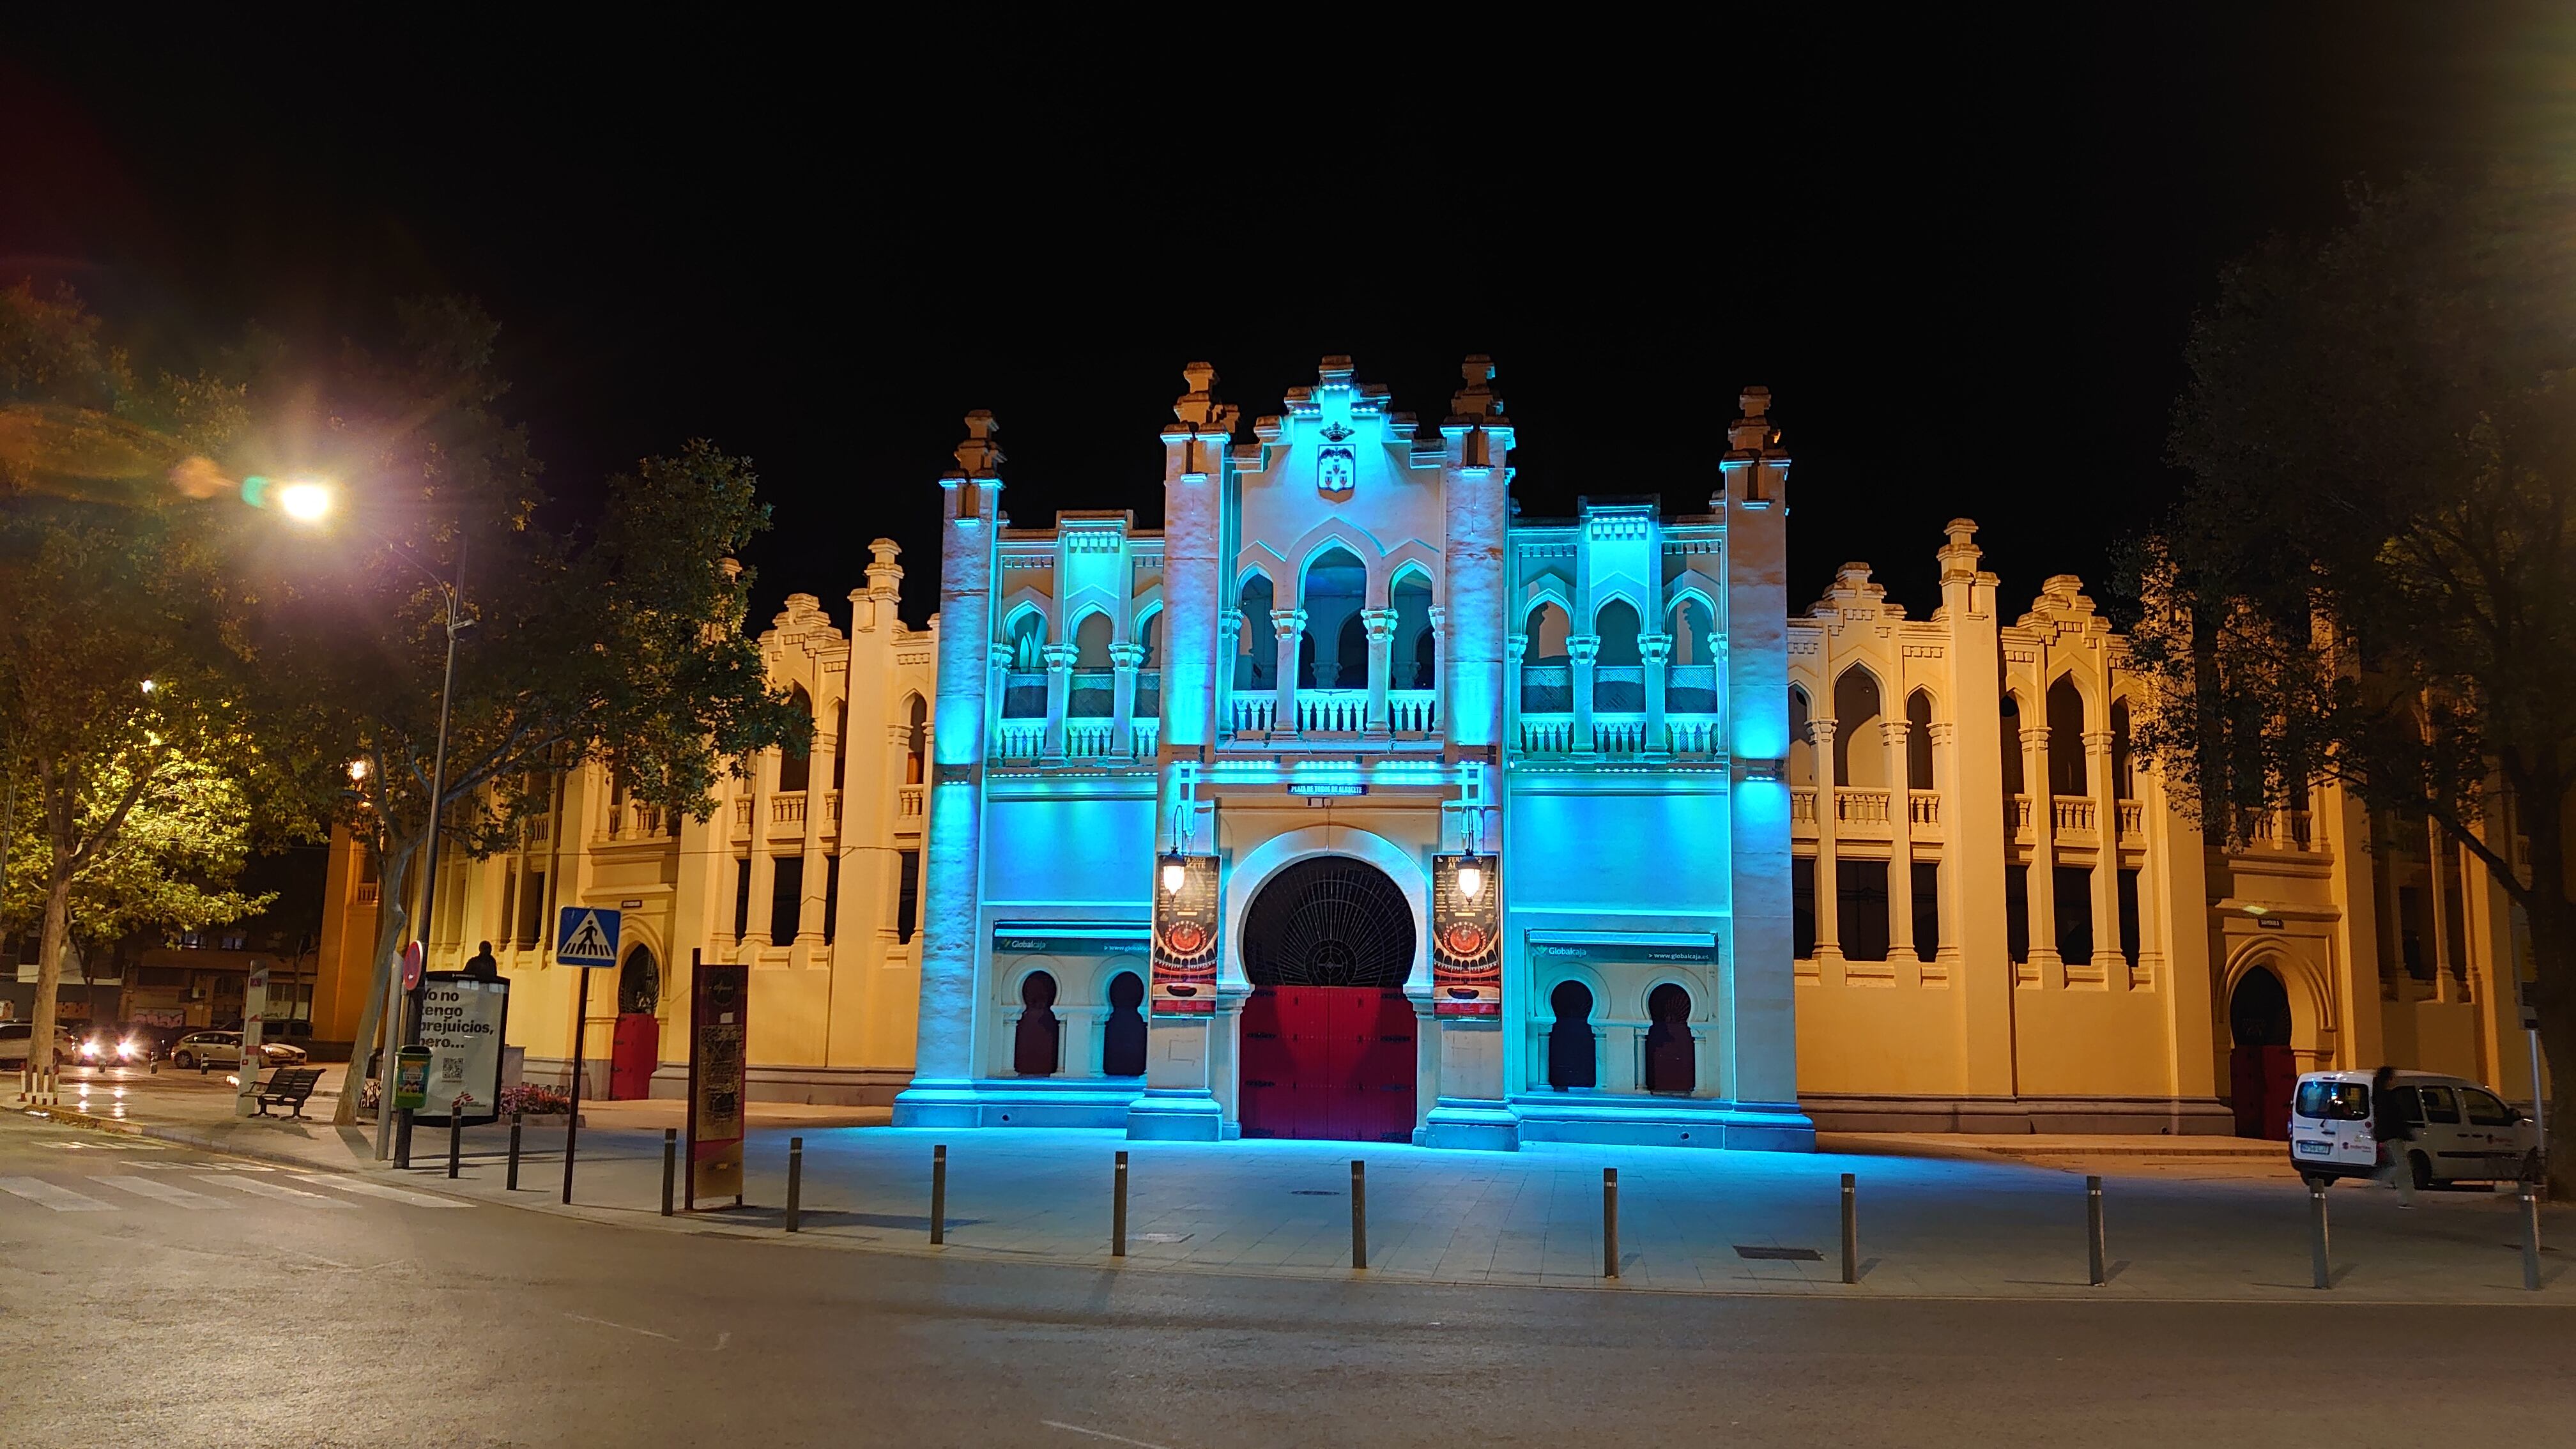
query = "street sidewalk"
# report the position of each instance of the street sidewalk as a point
(1938, 1217)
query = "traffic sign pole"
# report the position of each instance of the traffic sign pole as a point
(585, 936)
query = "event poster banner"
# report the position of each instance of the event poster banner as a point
(1185, 940)
(1466, 940)
(719, 996)
(463, 1020)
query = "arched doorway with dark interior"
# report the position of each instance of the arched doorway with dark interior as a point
(1569, 1040)
(1327, 1032)
(2262, 1071)
(1122, 1036)
(1672, 1059)
(1033, 1043)
(636, 1048)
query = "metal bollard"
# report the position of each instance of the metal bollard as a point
(1609, 1222)
(1851, 1231)
(514, 1152)
(1359, 1213)
(1118, 1211)
(2317, 1235)
(2530, 1237)
(455, 1137)
(2093, 1225)
(795, 1180)
(939, 1194)
(670, 1165)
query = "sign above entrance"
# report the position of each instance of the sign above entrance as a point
(1185, 929)
(1060, 938)
(1466, 940)
(1678, 948)
(587, 936)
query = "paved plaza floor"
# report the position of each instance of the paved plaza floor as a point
(1937, 1216)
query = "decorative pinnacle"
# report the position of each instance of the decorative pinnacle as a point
(1198, 407)
(979, 456)
(1477, 400)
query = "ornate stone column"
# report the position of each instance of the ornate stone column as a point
(1440, 671)
(2108, 952)
(1950, 895)
(1125, 659)
(1229, 629)
(997, 681)
(1829, 948)
(1656, 650)
(1289, 625)
(1900, 848)
(2042, 876)
(1380, 624)
(1583, 652)
(1059, 662)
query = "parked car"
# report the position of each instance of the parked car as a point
(115, 1046)
(204, 1049)
(13, 1044)
(2463, 1132)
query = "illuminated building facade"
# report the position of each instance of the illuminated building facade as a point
(1352, 804)
(1240, 788)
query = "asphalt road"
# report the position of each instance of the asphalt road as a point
(229, 1304)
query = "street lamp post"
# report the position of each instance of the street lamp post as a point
(309, 501)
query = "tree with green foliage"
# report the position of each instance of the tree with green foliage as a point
(121, 637)
(2371, 576)
(620, 641)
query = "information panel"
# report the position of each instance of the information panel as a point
(719, 996)
(463, 1021)
(1185, 930)
(1466, 940)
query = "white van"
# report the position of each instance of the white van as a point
(2463, 1132)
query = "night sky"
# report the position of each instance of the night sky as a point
(1963, 260)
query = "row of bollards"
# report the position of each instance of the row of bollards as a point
(2096, 1257)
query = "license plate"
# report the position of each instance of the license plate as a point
(2319, 1148)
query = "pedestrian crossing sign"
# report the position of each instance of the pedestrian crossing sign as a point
(587, 936)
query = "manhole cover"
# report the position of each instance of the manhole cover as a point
(1782, 1255)
(1312, 1192)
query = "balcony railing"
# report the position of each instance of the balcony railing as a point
(1331, 711)
(1021, 739)
(908, 802)
(1618, 736)
(2072, 813)
(1923, 807)
(1856, 805)
(1802, 805)
(369, 892)
(1412, 711)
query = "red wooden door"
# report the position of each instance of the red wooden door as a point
(1328, 1063)
(637, 1051)
(2261, 1080)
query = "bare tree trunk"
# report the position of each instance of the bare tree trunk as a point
(49, 968)
(393, 920)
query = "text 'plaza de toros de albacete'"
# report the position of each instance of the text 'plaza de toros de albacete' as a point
(1353, 805)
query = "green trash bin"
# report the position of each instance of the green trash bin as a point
(411, 1079)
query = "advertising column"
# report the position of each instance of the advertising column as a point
(719, 994)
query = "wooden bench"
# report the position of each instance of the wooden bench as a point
(288, 1087)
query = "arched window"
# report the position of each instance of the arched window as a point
(2066, 738)
(1918, 741)
(796, 767)
(1802, 747)
(1569, 1041)
(1860, 745)
(2013, 782)
(1122, 1036)
(1690, 685)
(1033, 1049)
(639, 982)
(1672, 1062)
(1412, 664)
(916, 715)
(2124, 785)
(1094, 685)
(1336, 586)
(1024, 688)
(1256, 660)
(1547, 682)
(1618, 675)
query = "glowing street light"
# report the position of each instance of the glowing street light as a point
(305, 501)
(1471, 876)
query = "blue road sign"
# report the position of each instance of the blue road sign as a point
(587, 936)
